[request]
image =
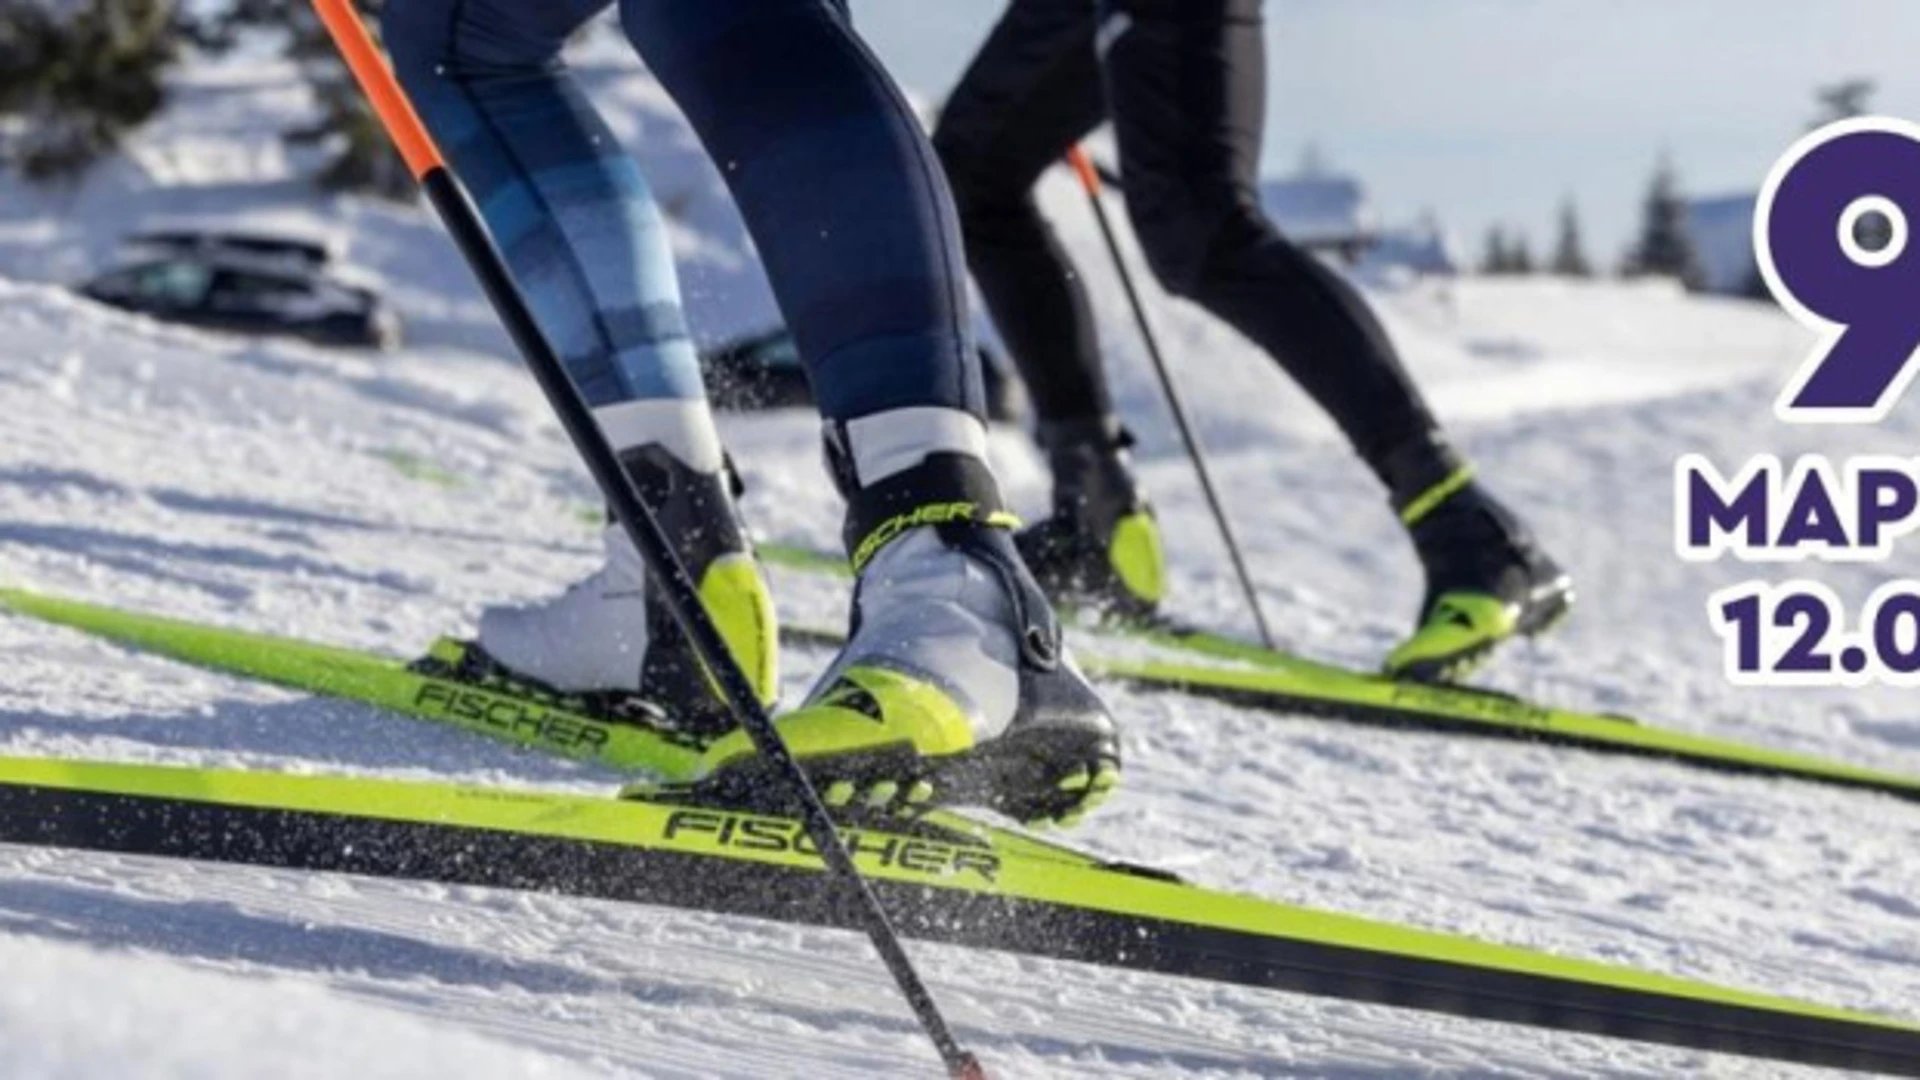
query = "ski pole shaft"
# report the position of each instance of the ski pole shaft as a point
(1089, 175)
(676, 586)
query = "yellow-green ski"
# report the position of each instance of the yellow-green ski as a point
(938, 884)
(1256, 677)
(944, 877)
(376, 680)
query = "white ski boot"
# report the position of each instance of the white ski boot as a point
(608, 643)
(954, 687)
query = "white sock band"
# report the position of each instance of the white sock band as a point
(892, 442)
(685, 428)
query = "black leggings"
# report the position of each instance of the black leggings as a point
(1185, 84)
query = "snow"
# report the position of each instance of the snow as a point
(280, 487)
(71, 1013)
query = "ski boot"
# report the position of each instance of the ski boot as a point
(954, 687)
(608, 646)
(1101, 548)
(1487, 580)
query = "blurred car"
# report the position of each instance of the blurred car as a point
(763, 371)
(245, 284)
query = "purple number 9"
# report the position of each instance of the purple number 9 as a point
(1864, 301)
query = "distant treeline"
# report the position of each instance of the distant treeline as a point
(1663, 245)
(1662, 248)
(78, 76)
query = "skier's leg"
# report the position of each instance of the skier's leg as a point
(589, 249)
(1030, 94)
(954, 652)
(1187, 84)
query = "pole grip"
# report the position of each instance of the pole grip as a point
(376, 80)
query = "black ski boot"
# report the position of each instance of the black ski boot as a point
(1101, 547)
(608, 644)
(1487, 579)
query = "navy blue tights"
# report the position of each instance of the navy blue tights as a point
(838, 186)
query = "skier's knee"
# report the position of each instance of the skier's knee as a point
(1188, 235)
(987, 171)
(990, 204)
(1175, 236)
(973, 188)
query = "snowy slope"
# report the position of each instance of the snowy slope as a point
(280, 487)
(67, 1012)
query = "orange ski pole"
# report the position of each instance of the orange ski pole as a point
(402, 122)
(1083, 167)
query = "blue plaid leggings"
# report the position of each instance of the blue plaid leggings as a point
(839, 189)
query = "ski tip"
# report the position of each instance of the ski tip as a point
(968, 1068)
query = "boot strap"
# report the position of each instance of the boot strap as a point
(944, 489)
(1420, 474)
(957, 496)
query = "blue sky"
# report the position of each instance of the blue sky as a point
(1496, 110)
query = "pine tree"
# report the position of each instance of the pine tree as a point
(76, 78)
(1520, 257)
(1665, 248)
(1495, 257)
(1507, 253)
(1569, 250)
(363, 157)
(1844, 100)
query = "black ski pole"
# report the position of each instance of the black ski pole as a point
(677, 588)
(1089, 175)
